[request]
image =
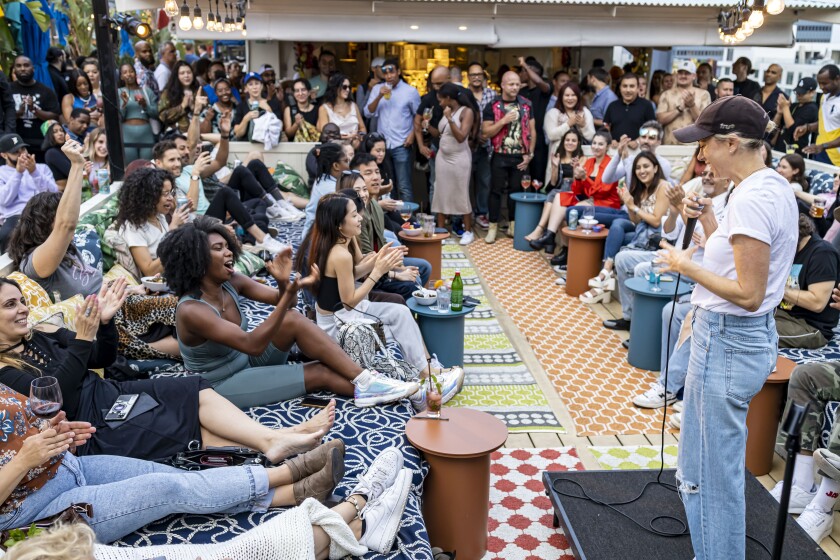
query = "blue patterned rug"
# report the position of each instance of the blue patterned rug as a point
(365, 431)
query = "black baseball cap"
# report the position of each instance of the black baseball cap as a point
(728, 114)
(11, 143)
(805, 85)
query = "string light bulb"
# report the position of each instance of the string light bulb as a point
(184, 22)
(756, 19)
(244, 29)
(170, 7)
(775, 7)
(198, 21)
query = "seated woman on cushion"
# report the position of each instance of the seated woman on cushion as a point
(334, 250)
(188, 409)
(249, 367)
(41, 477)
(42, 248)
(146, 198)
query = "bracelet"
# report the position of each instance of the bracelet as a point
(352, 500)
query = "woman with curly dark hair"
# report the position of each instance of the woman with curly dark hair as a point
(250, 367)
(146, 198)
(339, 108)
(176, 101)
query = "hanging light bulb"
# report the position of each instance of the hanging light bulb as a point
(238, 24)
(184, 22)
(756, 19)
(739, 35)
(198, 21)
(775, 7)
(244, 29)
(748, 30)
(171, 8)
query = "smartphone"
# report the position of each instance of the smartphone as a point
(122, 407)
(207, 147)
(314, 402)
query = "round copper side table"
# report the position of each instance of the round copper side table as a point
(428, 248)
(586, 254)
(456, 493)
(763, 418)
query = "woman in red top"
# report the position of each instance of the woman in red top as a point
(587, 190)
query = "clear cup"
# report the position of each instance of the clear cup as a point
(818, 208)
(444, 300)
(655, 276)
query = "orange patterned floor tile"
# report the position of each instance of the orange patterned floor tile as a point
(584, 361)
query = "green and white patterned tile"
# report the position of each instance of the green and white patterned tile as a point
(632, 457)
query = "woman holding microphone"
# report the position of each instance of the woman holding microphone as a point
(747, 260)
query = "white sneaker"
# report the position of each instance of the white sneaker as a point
(816, 522)
(294, 214)
(655, 397)
(379, 476)
(799, 498)
(678, 407)
(467, 238)
(382, 519)
(439, 370)
(270, 245)
(675, 420)
(382, 390)
(275, 211)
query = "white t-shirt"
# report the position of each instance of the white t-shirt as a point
(761, 207)
(147, 236)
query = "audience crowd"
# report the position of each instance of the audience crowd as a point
(184, 214)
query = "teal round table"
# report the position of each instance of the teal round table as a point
(409, 206)
(443, 333)
(528, 212)
(646, 322)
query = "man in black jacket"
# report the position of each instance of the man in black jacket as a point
(8, 118)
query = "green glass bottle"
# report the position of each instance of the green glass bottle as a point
(457, 292)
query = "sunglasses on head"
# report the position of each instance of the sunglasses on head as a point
(376, 136)
(350, 172)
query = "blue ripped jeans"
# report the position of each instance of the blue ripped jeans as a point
(731, 357)
(127, 494)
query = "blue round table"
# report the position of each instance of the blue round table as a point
(409, 206)
(443, 333)
(646, 322)
(528, 212)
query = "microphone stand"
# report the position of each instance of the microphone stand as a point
(792, 426)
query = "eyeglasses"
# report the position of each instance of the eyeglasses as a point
(648, 133)
(389, 69)
(298, 90)
(168, 194)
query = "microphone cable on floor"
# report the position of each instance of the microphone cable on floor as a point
(650, 528)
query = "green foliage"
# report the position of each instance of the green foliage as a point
(20, 535)
(80, 13)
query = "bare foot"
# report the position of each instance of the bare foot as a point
(286, 444)
(536, 234)
(322, 421)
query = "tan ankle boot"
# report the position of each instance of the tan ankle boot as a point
(313, 461)
(321, 484)
(492, 231)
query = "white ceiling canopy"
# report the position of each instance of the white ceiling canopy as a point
(506, 23)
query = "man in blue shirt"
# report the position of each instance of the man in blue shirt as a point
(395, 103)
(599, 80)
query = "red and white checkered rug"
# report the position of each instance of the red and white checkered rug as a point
(520, 511)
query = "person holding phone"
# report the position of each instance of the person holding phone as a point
(178, 98)
(252, 106)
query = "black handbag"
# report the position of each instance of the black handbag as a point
(213, 457)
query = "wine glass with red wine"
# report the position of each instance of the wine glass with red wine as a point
(45, 397)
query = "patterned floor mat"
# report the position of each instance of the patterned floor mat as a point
(520, 512)
(632, 457)
(584, 361)
(497, 380)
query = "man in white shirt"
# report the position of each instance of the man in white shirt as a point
(168, 57)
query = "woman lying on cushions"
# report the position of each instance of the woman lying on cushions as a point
(185, 409)
(40, 477)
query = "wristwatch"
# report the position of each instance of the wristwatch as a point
(194, 177)
(680, 109)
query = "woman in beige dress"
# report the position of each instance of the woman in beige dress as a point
(454, 159)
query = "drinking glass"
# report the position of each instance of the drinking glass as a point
(588, 219)
(434, 400)
(526, 182)
(655, 276)
(45, 397)
(444, 300)
(818, 208)
(405, 214)
(429, 226)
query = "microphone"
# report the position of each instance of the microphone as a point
(693, 193)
